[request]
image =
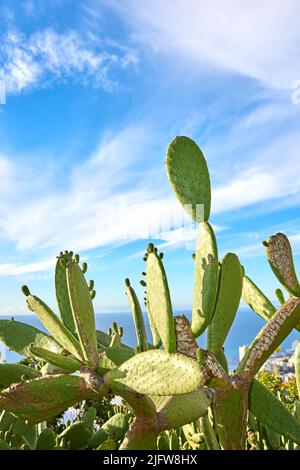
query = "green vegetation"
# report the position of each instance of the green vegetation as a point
(175, 394)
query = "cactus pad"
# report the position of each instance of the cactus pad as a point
(13, 373)
(256, 300)
(280, 257)
(205, 278)
(83, 312)
(189, 177)
(270, 411)
(159, 301)
(229, 294)
(19, 337)
(138, 318)
(156, 372)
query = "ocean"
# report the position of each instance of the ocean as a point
(246, 326)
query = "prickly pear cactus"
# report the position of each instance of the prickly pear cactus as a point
(180, 396)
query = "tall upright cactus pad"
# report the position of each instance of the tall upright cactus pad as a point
(228, 300)
(156, 372)
(205, 278)
(83, 312)
(137, 314)
(53, 324)
(270, 411)
(256, 300)
(280, 257)
(159, 300)
(189, 177)
(61, 290)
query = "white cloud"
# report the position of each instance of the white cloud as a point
(257, 39)
(47, 55)
(107, 201)
(12, 269)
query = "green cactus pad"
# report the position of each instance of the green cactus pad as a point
(229, 295)
(159, 301)
(137, 314)
(280, 257)
(205, 278)
(30, 437)
(270, 337)
(89, 417)
(62, 294)
(50, 369)
(189, 177)
(40, 399)
(155, 335)
(256, 300)
(209, 433)
(19, 337)
(270, 411)
(117, 426)
(53, 324)
(97, 438)
(83, 312)
(12, 373)
(156, 372)
(274, 438)
(178, 410)
(6, 420)
(110, 358)
(77, 434)
(46, 440)
(109, 444)
(222, 360)
(58, 360)
(4, 445)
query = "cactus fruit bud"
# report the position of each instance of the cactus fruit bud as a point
(265, 243)
(93, 294)
(76, 259)
(150, 248)
(121, 331)
(91, 285)
(194, 255)
(109, 331)
(161, 255)
(143, 273)
(84, 268)
(143, 283)
(144, 259)
(127, 282)
(280, 296)
(25, 291)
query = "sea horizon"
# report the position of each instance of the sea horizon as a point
(245, 327)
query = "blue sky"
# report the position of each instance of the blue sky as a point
(95, 91)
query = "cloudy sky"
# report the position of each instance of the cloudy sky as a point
(91, 94)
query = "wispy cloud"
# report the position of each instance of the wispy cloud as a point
(255, 39)
(48, 56)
